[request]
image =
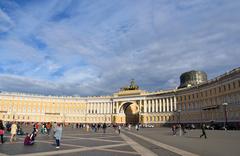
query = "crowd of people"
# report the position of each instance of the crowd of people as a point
(55, 130)
(14, 129)
(48, 129)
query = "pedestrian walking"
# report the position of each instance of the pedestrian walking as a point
(104, 128)
(58, 134)
(180, 129)
(203, 127)
(48, 127)
(183, 129)
(137, 127)
(2, 131)
(87, 127)
(129, 127)
(119, 129)
(174, 129)
(13, 132)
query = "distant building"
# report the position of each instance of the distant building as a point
(196, 100)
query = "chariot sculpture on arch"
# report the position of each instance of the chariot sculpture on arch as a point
(132, 86)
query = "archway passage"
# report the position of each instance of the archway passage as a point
(132, 113)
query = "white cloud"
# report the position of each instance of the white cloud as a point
(96, 48)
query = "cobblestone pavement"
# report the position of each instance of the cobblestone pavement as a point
(146, 142)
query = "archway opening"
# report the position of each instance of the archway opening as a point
(131, 112)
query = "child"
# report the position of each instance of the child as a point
(28, 140)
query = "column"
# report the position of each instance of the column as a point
(167, 99)
(117, 107)
(90, 107)
(87, 108)
(95, 107)
(171, 104)
(175, 103)
(101, 107)
(104, 109)
(164, 104)
(145, 106)
(153, 105)
(156, 105)
(140, 106)
(108, 108)
(149, 106)
(160, 102)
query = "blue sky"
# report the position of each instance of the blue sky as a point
(94, 47)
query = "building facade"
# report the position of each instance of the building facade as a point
(214, 100)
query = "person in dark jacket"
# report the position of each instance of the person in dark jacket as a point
(104, 127)
(203, 127)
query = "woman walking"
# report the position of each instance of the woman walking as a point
(13, 132)
(58, 134)
(1, 130)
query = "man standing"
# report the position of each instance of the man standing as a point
(203, 131)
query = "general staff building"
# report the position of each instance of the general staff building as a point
(196, 100)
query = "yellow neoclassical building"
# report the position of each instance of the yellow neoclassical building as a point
(196, 100)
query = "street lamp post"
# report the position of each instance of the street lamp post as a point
(225, 113)
(179, 116)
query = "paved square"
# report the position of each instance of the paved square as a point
(74, 142)
(146, 142)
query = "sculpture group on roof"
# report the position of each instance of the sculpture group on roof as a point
(132, 86)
